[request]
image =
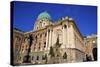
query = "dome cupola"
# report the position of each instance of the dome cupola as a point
(44, 15)
(43, 20)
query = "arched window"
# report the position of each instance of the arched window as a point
(94, 51)
(43, 58)
(44, 44)
(39, 46)
(36, 38)
(32, 57)
(37, 58)
(48, 30)
(65, 26)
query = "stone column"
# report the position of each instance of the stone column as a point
(64, 38)
(47, 41)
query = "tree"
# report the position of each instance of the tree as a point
(51, 51)
(46, 58)
(65, 56)
(88, 58)
(57, 43)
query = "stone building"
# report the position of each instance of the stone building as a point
(91, 47)
(18, 37)
(45, 37)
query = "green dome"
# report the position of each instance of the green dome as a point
(44, 15)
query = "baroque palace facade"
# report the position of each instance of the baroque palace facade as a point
(50, 42)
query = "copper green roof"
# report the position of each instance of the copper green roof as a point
(44, 15)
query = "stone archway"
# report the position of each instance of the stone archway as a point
(94, 51)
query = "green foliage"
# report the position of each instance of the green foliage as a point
(65, 56)
(45, 56)
(57, 43)
(51, 51)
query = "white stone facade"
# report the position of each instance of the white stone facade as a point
(45, 34)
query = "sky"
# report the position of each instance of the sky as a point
(26, 13)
